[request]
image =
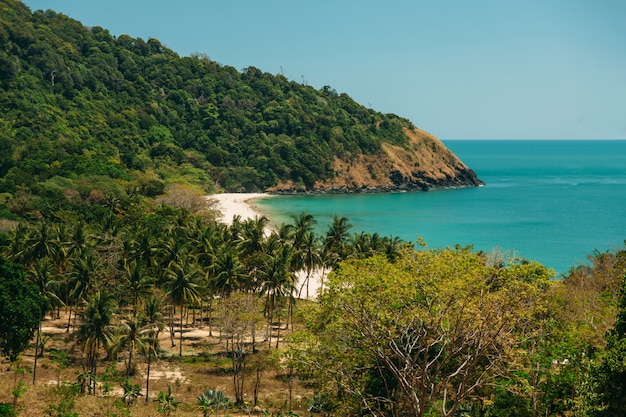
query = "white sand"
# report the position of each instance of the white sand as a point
(242, 204)
(237, 204)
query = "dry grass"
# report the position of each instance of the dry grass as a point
(203, 366)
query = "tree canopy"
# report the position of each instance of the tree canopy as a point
(21, 309)
(81, 105)
(425, 333)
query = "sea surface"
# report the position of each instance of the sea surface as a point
(555, 202)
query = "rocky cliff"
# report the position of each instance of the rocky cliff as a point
(424, 164)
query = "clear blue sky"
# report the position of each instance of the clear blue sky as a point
(484, 69)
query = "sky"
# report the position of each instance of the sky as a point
(459, 69)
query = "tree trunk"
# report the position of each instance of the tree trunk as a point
(211, 316)
(69, 320)
(148, 377)
(171, 326)
(36, 352)
(181, 329)
(130, 363)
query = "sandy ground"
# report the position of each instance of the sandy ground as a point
(242, 204)
(237, 204)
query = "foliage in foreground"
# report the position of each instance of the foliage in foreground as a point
(425, 334)
(396, 331)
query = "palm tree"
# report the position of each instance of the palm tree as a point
(142, 248)
(251, 247)
(153, 313)
(17, 243)
(136, 282)
(392, 247)
(41, 242)
(96, 330)
(40, 275)
(252, 235)
(228, 272)
(279, 282)
(155, 322)
(132, 334)
(309, 253)
(182, 287)
(336, 241)
(171, 249)
(81, 278)
(303, 225)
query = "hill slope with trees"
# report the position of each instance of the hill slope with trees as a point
(81, 106)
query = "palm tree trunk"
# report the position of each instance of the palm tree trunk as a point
(148, 376)
(95, 364)
(36, 352)
(130, 362)
(201, 308)
(171, 326)
(211, 316)
(181, 329)
(69, 320)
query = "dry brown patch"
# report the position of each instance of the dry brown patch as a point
(203, 366)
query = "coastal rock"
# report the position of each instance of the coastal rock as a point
(424, 164)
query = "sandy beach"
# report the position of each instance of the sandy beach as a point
(242, 204)
(237, 204)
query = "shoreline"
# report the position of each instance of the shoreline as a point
(237, 204)
(242, 204)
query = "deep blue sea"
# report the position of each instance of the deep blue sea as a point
(554, 202)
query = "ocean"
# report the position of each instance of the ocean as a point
(552, 201)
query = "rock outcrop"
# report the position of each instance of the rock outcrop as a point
(424, 164)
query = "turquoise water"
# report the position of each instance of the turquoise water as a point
(550, 201)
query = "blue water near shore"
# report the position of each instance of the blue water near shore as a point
(554, 202)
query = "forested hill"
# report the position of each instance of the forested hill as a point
(83, 109)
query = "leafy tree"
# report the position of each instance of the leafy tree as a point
(21, 308)
(610, 374)
(423, 334)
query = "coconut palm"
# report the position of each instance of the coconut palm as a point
(41, 242)
(303, 224)
(17, 243)
(142, 248)
(228, 271)
(310, 258)
(336, 242)
(96, 329)
(279, 282)
(252, 235)
(82, 278)
(41, 276)
(132, 334)
(155, 322)
(182, 286)
(136, 282)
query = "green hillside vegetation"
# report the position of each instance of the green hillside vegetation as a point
(80, 105)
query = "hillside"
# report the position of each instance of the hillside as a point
(81, 106)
